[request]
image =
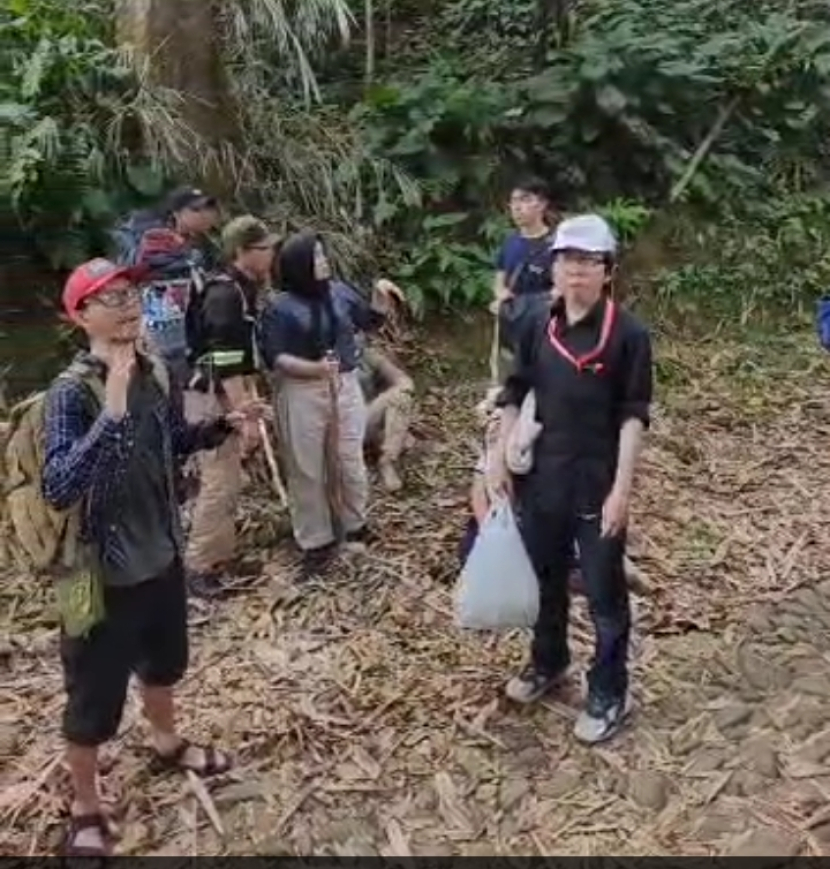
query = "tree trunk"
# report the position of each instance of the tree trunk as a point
(551, 20)
(369, 9)
(179, 40)
(544, 19)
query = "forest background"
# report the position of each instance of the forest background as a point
(366, 724)
(699, 128)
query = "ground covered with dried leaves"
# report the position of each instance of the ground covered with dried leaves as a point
(365, 723)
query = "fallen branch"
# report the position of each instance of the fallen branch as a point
(703, 149)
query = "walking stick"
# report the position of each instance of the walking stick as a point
(332, 442)
(270, 458)
(494, 352)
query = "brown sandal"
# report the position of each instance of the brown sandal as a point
(216, 762)
(78, 824)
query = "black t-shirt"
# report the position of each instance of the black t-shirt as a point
(581, 411)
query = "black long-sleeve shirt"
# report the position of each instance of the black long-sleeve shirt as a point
(581, 408)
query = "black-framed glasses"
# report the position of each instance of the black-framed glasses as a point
(583, 258)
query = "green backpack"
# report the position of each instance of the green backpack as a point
(39, 538)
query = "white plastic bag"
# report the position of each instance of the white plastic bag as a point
(498, 588)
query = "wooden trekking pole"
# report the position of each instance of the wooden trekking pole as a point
(494, 351)
(332, 458)
(270, 457)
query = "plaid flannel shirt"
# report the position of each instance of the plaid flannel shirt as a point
(87, 456)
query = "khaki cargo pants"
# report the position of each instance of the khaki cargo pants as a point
(211, 544)
(304, 412)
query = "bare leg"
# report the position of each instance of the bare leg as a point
(160, 711)
(388, 421)
(83, 770)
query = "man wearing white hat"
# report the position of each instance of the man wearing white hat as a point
(589, 363)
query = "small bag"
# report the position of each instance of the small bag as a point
(498, 588)
(80, 599)
(79, 583)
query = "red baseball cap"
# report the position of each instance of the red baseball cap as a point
(92, 278)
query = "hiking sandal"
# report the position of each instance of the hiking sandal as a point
(78, 824)
(216, 762)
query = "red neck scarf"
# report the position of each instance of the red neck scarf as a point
(586, 361)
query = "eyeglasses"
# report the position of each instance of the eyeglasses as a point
(582, 258)
(117, 298)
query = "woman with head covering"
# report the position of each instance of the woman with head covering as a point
(308, 340)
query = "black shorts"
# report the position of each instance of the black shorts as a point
(144, 632)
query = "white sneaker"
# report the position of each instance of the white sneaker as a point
(601, 719)
(531, 684)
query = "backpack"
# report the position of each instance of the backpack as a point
(41, 538)
(194, 319)
(175, 277)
(127, 236)
(144, 239)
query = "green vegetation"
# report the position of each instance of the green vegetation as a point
(704, 124)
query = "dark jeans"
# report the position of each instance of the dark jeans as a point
(549, 536)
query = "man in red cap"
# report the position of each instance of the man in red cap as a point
(113, 433)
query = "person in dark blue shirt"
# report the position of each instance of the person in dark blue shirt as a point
(523, 265)
(309, 340)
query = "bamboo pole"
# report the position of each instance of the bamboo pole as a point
(270, 457)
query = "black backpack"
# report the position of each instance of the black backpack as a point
(194, 316)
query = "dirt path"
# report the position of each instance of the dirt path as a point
(366, 724)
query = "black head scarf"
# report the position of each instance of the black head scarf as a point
(296, 270)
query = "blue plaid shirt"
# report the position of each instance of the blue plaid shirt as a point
(86, 455)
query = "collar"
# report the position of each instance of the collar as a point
(546, 233)
(593, 317)
(245, 281)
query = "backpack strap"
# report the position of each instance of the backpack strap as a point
(529, 256)
(85, 373)
(161, 373)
